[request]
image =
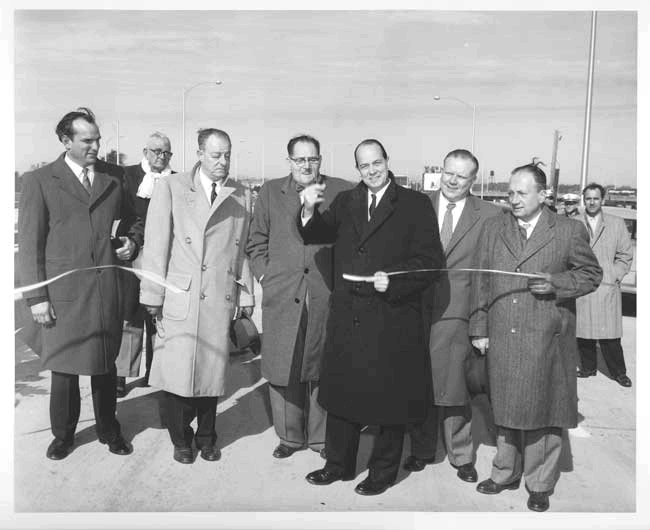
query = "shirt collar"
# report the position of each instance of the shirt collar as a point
(378, 194)
(444, 201)
(76, 168)
(532, 223)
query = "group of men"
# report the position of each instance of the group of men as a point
(367, 318)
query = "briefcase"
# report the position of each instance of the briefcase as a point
(244, 335)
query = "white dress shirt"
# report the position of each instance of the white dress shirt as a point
(378, 196)
(530, 224)
(455, 212)
(78, 170)
(206, 183)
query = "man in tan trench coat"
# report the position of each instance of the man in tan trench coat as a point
(600, 314)
(296, 280)
(196, 233)
(527, 328)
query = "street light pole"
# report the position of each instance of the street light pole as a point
(184, 95)
(473, 107)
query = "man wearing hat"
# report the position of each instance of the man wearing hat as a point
(571, 201)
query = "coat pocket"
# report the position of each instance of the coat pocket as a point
(176, 305)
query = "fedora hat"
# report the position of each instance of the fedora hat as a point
(244, 335)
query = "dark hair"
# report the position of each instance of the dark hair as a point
(302, 138)
(204, 134)
(594, 186)
(463, 154)
(64, 127)
(537, 173)
(369, 141)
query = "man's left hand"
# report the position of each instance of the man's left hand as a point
(246, 310)
(126, 251)
(541, 285)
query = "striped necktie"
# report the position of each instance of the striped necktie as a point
(447, 226)
(85, 181)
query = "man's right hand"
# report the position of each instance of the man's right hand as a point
(482, 344)
(154, 310)
(312, 195)
(43, 313)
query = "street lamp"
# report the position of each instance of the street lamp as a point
(186, 91)
(473, 107)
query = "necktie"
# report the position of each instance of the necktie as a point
(447, 226)
(523, 230)
(85, 181)
(373, 205)
(213, 195)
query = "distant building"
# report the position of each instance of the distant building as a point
(403, 181)
(431, 178)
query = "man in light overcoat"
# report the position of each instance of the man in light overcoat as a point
(296, 279)
(67, 212)
(600, 314)
(196, 231)
(527, 329)
(461, 217)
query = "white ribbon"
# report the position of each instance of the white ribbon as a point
(356, 278)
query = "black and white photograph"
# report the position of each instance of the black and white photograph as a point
(347, 265)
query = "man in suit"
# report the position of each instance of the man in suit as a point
(461, 217)
(67, 212)
(375, 367)
(297, 280)
(527, 329)
(196, 231)
(600, 314)
(140, 181)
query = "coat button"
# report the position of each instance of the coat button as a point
(228, 297)
(204, 267)
(362, 250)
(356, 322)
(513, 330)
(188, 240)
(297, 300)
(236, 241)
(307, 270)
(517, 269)
(202, 297)
(515, 301)
(229, 271)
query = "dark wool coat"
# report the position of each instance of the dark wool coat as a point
(62, 228)
(447, 304)
(532, 356)
(376, 366)
(290, 269)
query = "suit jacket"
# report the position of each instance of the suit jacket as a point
(376, 366)
(199, 248)
(600, 314)
(61, 228)
(290, 269)
(447, 304)
(532, 356)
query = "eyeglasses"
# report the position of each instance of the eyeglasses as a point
(160, 152)
(301, 161)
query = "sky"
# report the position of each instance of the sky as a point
(341, 76)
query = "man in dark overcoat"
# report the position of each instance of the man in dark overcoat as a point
(140, 181)
(296, 279)
(67, 212)
(527, 327)
(375, 366)
(461, 217)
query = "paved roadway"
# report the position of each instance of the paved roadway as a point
(598, 467)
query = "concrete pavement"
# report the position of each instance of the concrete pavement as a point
(598, 462)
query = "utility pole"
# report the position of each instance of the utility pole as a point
(555, 174)
(590, 89)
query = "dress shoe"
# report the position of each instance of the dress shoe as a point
(211, 453)
(413, 463)
(323, 477)
(372, 487)
(538, 501)
(118, 446)
(489, 487)
(467, 472)
(184, 455)
(58, 450)
(121, 387)
(624, 380)
(585, 373)
(284, 451)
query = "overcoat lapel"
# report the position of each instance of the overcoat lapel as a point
(360, 208)
(101, 184)
(542, 235)
(468, 219)
(382, 213)
(510, 235)
(599, 231)
(290, 197)
(195, 199)
(68, 181)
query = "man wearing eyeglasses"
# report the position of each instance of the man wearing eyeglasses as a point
(296, 279)
(140, 180)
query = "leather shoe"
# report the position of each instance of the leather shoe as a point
(121, 387)
(184, 455)
(211, 453)
(413, 463)
(624, 380)
(118, 446)
(58, 450)
(284, 451)
(585, 373)
(372, 487)
(467, 472)
(538, 501)
(489, 487)
(323, 477)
